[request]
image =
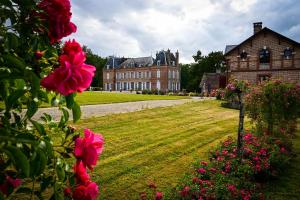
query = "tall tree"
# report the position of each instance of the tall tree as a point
(98, 62)
(203, 64)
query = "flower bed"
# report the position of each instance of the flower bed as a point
(228, 176)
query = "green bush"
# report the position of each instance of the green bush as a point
(274, 106)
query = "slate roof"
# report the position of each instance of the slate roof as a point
(165, 58)
(138, 62)
(114, 62)
(229, 48)
(264, 30)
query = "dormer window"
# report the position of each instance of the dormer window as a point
(244, 55)
(264, 56)
(158, 63)
(287, 53)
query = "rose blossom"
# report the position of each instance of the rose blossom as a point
(73, 75)
(8, 183)
(86, 192)
(201, 170)
(89, 148)
(158, 195)
(80, 172)
(58, 15)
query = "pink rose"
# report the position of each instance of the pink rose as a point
(81, 175)
(58, 15)
(86, 192)
(201, 170)
(158, 195)
(89, 148)
(9, 183)
(73, 75)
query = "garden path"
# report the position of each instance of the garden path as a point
(106, 109)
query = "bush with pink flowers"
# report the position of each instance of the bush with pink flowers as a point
(36, 154)
(274, 106)
(228, 176)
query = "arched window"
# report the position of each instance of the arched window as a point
(264, 56)
(243, 55)
(287, 53)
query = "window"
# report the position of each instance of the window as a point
(158, 63)
(264, 56)
(169, 74)
(107, 76)
(107, 66)
(243, 55)
(263, 77)
(288, 53)
(158, 74)
(132, 74)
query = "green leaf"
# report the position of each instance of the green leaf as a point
(38, 164)
(14, 62)
(35, 84)
(39, 127)
(11, 41)
(26, 138)
(60, 172)
(13, 98)
(43, 96)
(20, 160)
(32, 107)
(70, 100)
(76, 112)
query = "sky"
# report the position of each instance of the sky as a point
(136, 28)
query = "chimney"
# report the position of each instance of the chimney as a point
(177, 58)
(257, 26)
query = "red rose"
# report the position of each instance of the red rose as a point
(89, 148)
(86, 192)
(58, 15)
(81, 175)
(73, 75)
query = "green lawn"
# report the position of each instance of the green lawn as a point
(156, 145)
(97, 97)
(87, 98)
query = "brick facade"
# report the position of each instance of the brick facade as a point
(162, 73)
(245, 61)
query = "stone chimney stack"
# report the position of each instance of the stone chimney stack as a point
(177, 58)
(257, 26)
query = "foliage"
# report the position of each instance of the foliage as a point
(98, 62)
(192, 74)
(227, 176)
(35, 156)
(274, 106)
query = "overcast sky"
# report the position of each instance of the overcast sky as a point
(135, 28)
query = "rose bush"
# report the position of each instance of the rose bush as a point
(227, 176)
(37, 155)
(274, 106)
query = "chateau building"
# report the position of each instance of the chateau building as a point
(263, 55)
(161, 73)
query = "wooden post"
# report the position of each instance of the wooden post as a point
(241, 123)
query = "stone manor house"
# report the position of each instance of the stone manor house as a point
(264, 55)
(161, 73)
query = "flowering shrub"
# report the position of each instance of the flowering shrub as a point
(228, 176)
(35, 154)
(274, 105)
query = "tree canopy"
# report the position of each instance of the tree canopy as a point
(98, 62)
(191, 74)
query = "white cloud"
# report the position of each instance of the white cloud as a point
(138, 28)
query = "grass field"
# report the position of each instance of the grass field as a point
(87, 98)
(156, 145)
(90, 98)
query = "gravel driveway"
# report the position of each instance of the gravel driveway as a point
(106, 109)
